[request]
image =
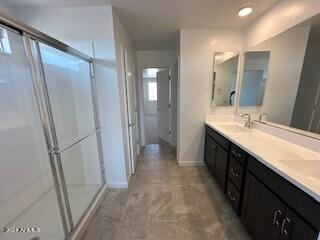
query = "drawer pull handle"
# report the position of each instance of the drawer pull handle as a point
(235, 153)
(283, 226)
(275, 218)
(234, 173)
(233, 198)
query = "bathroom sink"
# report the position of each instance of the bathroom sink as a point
(234, 128)
(308, 168)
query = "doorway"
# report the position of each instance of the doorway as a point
(157, 104)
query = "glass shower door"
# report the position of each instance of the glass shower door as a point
(28, 200)
(67, 83)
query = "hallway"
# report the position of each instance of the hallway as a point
(166, 202)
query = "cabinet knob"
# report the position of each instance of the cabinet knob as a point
(236, 153)
(233, 198)
(234, 173)
(275, 218)
(283, 226)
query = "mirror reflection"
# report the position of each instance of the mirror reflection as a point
(225, 78)
(254, 78)
(291, 79)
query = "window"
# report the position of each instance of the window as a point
(4, 42)
(152, 91)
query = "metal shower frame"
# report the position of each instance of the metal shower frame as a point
(33, 54)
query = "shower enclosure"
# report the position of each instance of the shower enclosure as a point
(51, 167)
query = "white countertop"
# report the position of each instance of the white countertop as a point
(277, 154)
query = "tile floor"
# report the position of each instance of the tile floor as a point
(166, 202)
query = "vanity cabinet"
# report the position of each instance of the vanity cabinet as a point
(262, 212)
(266, 217)
(270, 207)
(216, 156)
(210, 153)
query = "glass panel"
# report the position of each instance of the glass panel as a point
(4, 42)
(152, 91)
(81, 169)
(27, 194)
(68, 83)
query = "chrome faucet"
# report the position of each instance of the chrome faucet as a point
(248, 123)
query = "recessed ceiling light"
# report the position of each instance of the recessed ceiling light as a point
(243, 12)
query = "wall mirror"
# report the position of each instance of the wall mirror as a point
(289, 77)
(224, 78)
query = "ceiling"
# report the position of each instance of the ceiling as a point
(154, 24)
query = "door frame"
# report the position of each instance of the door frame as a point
(132, 160)
(142, 122)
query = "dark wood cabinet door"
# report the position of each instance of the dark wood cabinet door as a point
(294, 227)
(262, 211)
(210, 153)
(220, 171)
(206, 150)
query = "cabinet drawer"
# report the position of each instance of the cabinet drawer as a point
(238, 153)
(218, 138)
(233, 196)
(235, 173)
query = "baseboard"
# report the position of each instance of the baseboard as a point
(189, 164)
(118, 185)
(85, 220)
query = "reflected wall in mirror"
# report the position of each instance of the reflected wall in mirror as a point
(224, 78)
(292, 92)
(254, 78)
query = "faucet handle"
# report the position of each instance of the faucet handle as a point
(261, 116)
(246, 115)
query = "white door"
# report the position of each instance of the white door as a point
(131, 109)
(163, 82)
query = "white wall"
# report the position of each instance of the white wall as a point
(7, 9)
(123, 44)
(149, 59)
(197, 48)
(284, 74)
(309, 84)
(281, 17)
(79, 27)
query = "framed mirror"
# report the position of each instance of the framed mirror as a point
(224, 79)
(286, 84)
